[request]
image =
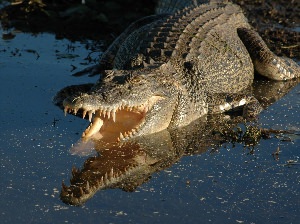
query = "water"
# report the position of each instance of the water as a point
(231, 185)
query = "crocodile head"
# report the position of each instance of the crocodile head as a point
(123, 104)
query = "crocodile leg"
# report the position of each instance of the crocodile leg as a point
(222, 102)
(266, 62)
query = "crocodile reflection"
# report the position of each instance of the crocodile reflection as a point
(129, 164)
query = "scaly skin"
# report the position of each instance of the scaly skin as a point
(167, 70)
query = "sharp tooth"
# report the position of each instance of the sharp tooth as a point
(113, 114)
(130, 134)
(66, 110)
(111, 174)
(104, 112)
(81, 191)
(64, 187)
(90, 115)
(83, 114)
(121, 135)
(64, 190)
(75, 111)
(101, 112)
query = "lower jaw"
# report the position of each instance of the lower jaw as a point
(95, 140)
(107, 130)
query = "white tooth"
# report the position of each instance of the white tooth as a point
(104, 113)
(75, 111)
(66, 111)
(83, 114)
(121, 135)
(101, 112)
(90, 115)
(113, 114)
(111, 174)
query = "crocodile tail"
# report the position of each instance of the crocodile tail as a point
(171, 6)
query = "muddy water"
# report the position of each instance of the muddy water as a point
(231, 185)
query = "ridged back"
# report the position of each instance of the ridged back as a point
(171, 6)
(157, 41)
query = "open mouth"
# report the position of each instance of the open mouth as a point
(113, 123)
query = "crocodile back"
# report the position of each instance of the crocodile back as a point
(156, 41)
(199, 42)
(171, 6)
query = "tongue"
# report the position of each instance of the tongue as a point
(93, 128)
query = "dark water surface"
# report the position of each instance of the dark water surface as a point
(228, 186)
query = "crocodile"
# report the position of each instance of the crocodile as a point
(166, 70)
(129, 164)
